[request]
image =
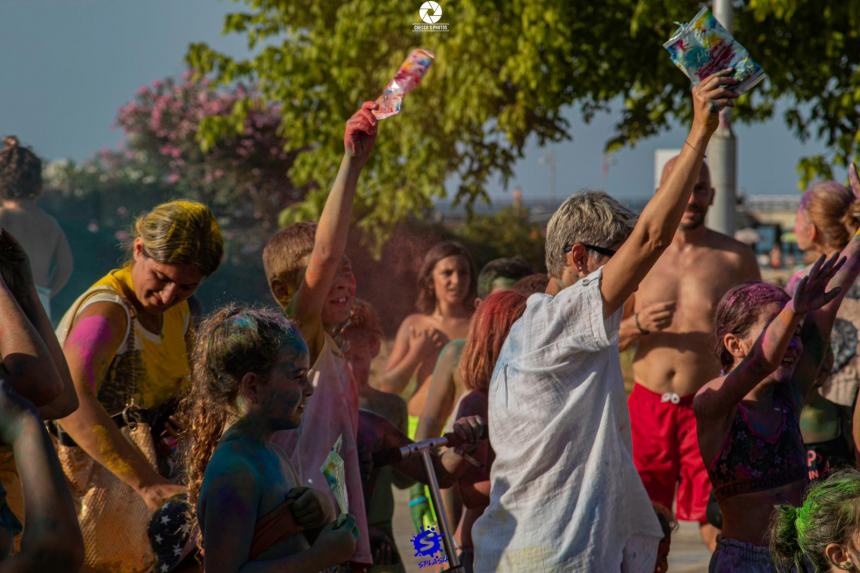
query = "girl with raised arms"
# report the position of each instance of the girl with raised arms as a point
(771, 347)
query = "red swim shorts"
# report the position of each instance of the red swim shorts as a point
(666, 451)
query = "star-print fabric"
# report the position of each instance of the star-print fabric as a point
(170, 534)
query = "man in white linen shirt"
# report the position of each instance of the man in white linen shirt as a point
(565, 495)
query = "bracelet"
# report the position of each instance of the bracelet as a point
(417, 501)
(696, 149)
(642, 331)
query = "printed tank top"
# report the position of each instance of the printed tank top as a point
(151, 368)
(749, 462)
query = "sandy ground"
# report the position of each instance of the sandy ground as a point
(688, 555)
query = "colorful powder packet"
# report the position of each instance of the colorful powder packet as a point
(704, 47)
(332, 470)
(405, 80)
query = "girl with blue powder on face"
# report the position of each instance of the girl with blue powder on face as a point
(249, 379)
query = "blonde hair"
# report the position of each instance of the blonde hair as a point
(834, 211)
(591, 217)
(286, 252)
(181, 233)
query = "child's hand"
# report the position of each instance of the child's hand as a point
(470, 430)
(310, 507)
(338, 542)
(809, 294)
(360, 133)
(709, 97)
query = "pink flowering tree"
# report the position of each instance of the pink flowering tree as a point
(242, 177)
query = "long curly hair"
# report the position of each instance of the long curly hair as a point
(231, 342)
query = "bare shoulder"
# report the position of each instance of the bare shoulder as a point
(738, 254)
(416, 320)
(109, 318)
(706, 393)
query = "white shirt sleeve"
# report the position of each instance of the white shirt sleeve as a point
(579, 309)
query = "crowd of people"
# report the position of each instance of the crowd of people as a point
(142, 436)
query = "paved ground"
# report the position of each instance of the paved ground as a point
(688, 555)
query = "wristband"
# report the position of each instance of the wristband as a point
(642, 331)
(417, 501)
(694, 148)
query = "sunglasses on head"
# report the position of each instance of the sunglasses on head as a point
(601, 250)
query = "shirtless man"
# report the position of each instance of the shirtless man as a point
(40, 235)
(671, 317)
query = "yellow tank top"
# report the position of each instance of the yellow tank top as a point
(151, 368)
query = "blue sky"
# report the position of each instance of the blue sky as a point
(67, 66)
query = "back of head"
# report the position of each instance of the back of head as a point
(286, 253)
(363, 321)
(487, 333)
(834, 211)
(20, 171)
(501, 273)
(231, 342)
(829, 514)
(532, 284)
(591, 217)
(182, 233)
(426, 301)
(739, 309)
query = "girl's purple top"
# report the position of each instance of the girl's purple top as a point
(749, 462)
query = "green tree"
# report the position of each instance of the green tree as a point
(503, 74)
(505, 233)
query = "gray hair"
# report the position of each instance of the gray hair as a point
(591, 217)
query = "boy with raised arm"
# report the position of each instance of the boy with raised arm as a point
(312, 280)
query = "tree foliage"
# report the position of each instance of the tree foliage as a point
(504, 73)
(242, 176)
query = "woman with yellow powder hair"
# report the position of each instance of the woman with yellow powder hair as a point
(126, 340)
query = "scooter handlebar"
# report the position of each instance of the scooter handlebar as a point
(394, 455)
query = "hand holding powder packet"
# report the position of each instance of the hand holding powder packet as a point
(704, 47)
(405, 80)
(335, 476)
